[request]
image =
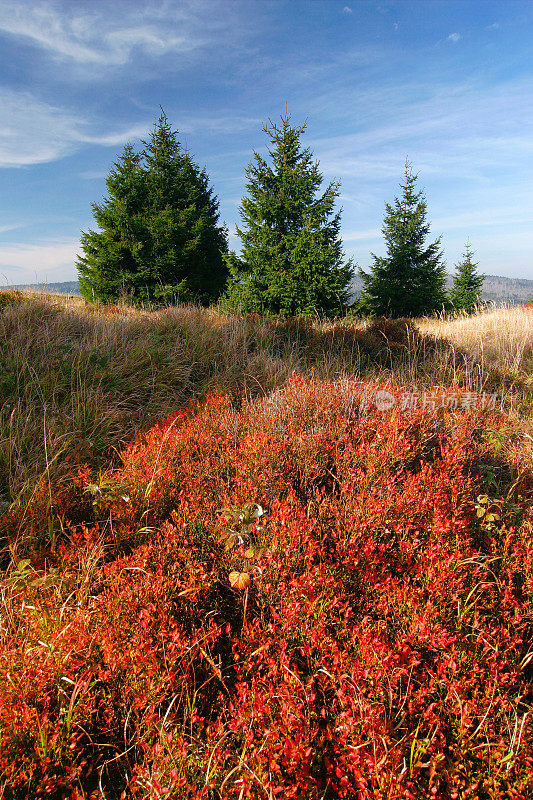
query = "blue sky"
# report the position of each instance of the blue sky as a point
(448, 84)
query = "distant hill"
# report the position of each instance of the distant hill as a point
(508, 290)
(496, 288)
(65, 287)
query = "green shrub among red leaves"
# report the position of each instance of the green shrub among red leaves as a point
(377, 641)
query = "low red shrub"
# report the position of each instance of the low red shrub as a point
(381, 645)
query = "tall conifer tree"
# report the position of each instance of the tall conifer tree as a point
(291, 260)
(467, 283)
(410, 280)
(160, 237)
(110, 266)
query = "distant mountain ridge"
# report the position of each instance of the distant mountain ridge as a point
(509, 290)
(496, 288)
(64, 287)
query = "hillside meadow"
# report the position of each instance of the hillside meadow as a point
(245, 559)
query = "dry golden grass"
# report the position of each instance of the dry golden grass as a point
(499, 337)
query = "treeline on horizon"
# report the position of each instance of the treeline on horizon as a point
(160, 239)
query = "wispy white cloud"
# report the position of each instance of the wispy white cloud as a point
(113, 139)
(85, 35)
(462, 130)
(216, 123)
(34, 132)
(361, 236)
(454, 37)
(35, 263)
(347, 10)
(7, 228)
(489, 216)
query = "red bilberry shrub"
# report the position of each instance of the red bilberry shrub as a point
(304, 598)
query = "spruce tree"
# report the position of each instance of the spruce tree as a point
(291, 259)
(467, 283)
(410, 280)
(110, 266)
(160, 237)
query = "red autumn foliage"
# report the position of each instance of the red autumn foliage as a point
(383, 648)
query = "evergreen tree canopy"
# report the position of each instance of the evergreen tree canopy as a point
(159, 235)
(291, 260)
(410, 280)
(467, 283)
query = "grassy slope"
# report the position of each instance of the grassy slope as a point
(77, 382)
(391, 581)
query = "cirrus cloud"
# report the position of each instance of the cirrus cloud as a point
(35, 132)
(82, 34)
